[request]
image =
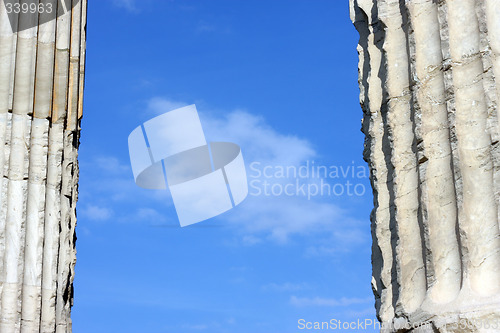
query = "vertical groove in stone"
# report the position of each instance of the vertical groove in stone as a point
(444, 32)
(32, 286)
(41, 91)
(51, 229)
(441, 206)
(61, 75)
(410, 263)
(59, 113)
(480, 207)
(74, 66)
(490, 93)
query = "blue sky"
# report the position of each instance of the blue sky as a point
(279, 78)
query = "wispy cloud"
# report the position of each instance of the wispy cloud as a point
(195, 327)
(250, 240)
(97, 213)
(148, 214)
(220, 326)
(327, 302)
(368, 312)
(111, 164)
(129, 5)
(158, 105)
(110, 183)
(349, 235)
(286, 287)
(213, 27)
(205, 27)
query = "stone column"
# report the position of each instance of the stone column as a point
(42, 60)
(428, 75)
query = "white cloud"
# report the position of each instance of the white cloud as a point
(108, 182)
(259, 141)
(240, 269)
(112, 165)
(129, 5)
(205, 27)
(195, 327)
(349, 235)
(286, 287)
(278, 218)
(250, 240)
(212, 326)
(97, 213)
(368, 312)
(327, 302)
(158, 105)
(149, 215)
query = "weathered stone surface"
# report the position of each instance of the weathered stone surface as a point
(41, 90)
(428, 75)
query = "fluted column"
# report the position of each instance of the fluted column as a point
(41, 91)
(425, 74)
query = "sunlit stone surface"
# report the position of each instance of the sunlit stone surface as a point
(428, 75)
